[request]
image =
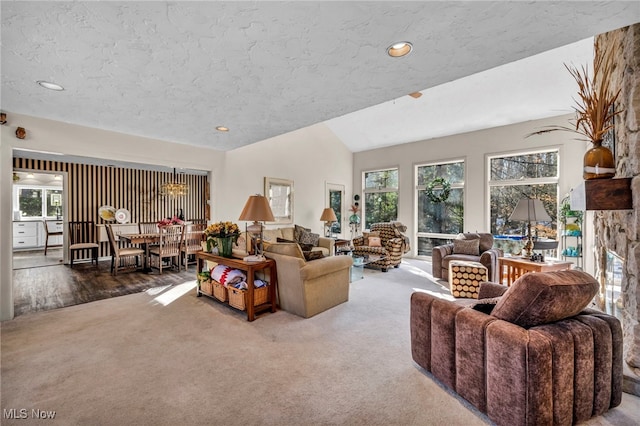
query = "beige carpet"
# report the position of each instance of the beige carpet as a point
(146, 360)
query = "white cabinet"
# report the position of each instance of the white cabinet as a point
(25, 234)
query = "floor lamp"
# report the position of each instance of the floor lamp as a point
(258, 210)
(529, 210)
(328, 217)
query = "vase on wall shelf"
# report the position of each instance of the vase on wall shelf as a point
(598, 162)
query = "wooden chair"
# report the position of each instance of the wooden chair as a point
(82, 237)
(148, 227)
(192, 242)
(50, 233)
(171, 238)
(121, 257)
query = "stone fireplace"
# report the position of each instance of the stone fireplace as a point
(617, 231)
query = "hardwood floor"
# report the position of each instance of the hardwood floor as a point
(57, 286)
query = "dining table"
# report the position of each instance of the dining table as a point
(144, 240)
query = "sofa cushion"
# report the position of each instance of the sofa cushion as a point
(309, 238)
(287, 233)
(304, 247)
(271, 235)
(470, 247)
(288, 249)
(541, 298)
(312, 255)
(298, 231)
(374, 242)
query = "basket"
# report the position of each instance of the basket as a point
(206, 286)
(238, 297)
(219, 291)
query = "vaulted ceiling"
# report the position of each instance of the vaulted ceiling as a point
(175, 70)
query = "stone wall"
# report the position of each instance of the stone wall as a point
(618, 231)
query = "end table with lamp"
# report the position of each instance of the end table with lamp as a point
(529, 210)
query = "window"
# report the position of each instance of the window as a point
(533, 175)
(37, 201)
(380, 196)
(438, 222)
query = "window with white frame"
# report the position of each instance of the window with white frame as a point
(524, 175)
(37, 201)
(439, 204)
(380, 191)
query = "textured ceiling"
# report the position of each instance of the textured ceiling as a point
(176, 70)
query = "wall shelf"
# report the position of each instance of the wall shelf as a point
(602, 194)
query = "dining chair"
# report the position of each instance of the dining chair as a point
(121, 256)
(148, 227)
(49, 232)
(82, 238)
(169, 245)
(192, 242)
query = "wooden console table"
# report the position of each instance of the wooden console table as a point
(250, 268)
(512, 268)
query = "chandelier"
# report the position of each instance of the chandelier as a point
(174, 188)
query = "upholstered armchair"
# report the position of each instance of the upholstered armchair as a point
(534, 356)
(308, 287)
(385, 239)
(474, 251)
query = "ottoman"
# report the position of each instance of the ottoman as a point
(465, 278)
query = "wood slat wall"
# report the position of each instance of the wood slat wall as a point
(91, 187)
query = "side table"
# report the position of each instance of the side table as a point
(512, 268)
(341, 246)
(250, 268)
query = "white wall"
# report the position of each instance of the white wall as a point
(311, 157)
(473, 147)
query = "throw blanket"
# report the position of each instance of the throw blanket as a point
(227, 276)
(242, 285)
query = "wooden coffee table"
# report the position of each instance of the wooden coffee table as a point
(512, 268)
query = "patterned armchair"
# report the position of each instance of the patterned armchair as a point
(393, 244)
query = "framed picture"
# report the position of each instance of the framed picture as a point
(279, 192)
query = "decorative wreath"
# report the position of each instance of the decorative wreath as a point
(438, 190)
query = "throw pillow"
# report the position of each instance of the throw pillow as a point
(470, 247)
(366, 236)
(304, 247)
(375, 242)
(309, 238)
(298, 231)
(542, 297)
(312, 255)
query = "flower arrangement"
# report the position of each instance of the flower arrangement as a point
(173, 221)
(221, 230)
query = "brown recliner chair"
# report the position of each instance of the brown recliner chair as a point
(487, 255)
(534, 356)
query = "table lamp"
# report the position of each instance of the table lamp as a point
(258, 210)
(529, 210)
(328, 216)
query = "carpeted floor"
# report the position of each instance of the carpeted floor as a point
(165, 357)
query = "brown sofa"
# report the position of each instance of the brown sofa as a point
(533, 356)
(485, 254)
(393, 244)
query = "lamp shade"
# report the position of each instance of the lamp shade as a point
(530, 210)
(257, 209)
(328, 215)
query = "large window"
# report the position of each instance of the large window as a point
(37, 201)
(380, 196)
(527, 175)
(438, 219)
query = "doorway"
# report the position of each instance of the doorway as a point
(335, 200)
(38, 200)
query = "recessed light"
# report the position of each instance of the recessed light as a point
(397, 50)
(49, 85)
(222, 129)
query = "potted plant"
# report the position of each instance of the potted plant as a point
(595, 110)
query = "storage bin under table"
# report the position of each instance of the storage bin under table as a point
(465, 278)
